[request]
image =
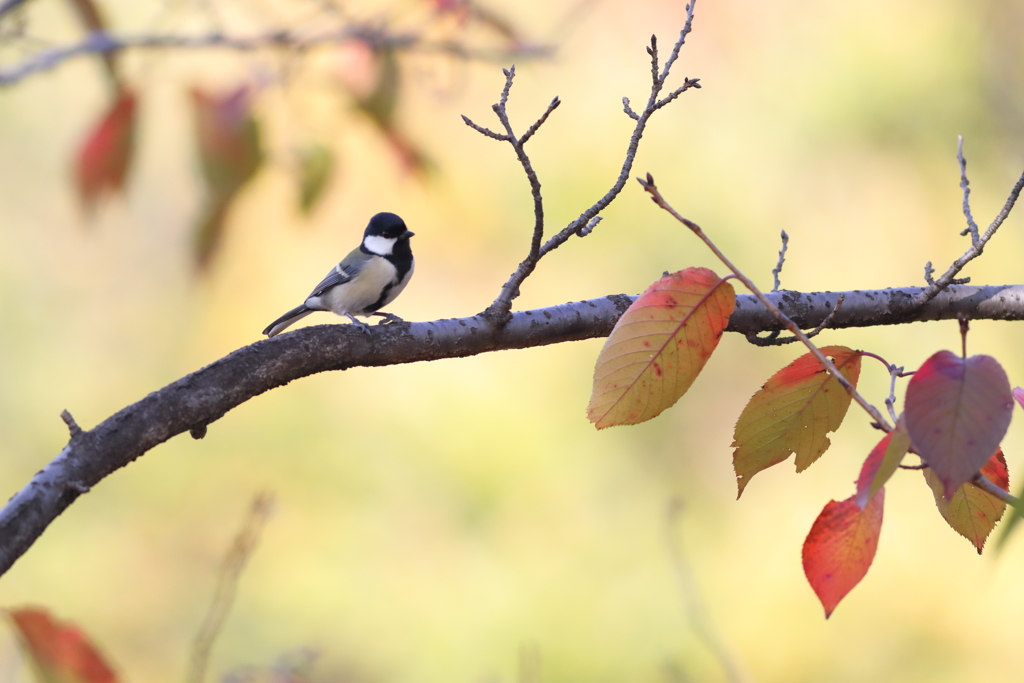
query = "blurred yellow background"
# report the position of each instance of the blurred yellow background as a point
(436, 521)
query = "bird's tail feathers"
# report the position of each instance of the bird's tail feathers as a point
(286, 320)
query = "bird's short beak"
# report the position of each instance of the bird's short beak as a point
(408, 234)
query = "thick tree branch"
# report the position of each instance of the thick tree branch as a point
(201, 398)
(103, 43)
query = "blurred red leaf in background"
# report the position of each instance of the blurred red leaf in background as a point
(106, 153)
(60, 652)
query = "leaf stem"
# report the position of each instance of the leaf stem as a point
(871, 410)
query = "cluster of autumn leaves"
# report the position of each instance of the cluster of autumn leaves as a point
(227, 131)
(956, 412)
(228, 144)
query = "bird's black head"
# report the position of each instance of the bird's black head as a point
(388, 226)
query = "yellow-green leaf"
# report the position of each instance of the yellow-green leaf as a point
(659, 346)
(793, 413)
(970, 511)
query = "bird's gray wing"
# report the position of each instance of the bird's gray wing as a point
(339, 275)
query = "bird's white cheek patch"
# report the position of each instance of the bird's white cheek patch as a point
(379, 245)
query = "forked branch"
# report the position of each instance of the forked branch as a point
(500, 308)
(978, 242)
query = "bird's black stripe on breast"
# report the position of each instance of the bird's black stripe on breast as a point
(375, 306)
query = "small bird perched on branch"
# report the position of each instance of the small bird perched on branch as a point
(366, 280)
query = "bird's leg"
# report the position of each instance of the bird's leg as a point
(363, 326)
(389, 318)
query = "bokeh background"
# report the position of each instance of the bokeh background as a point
(461, 520)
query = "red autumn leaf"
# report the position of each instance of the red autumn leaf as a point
(61, 652)
(106, 153)
(970, 511)
(228, 140)
(793, 413)
(659, 346)
(841, 546)
(957, 411)
(882, 463)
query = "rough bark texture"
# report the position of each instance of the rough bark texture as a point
(195, 401)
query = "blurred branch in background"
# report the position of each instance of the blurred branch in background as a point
(102, 42)
(227, 583)
(694, 607)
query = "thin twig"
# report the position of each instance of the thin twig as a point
(871, 410)
(777, 270)
(773, 338)
(890, 401)
(589, 227)
(544, 117)
(972, 227)
(484, 131)
(227, 584)
(70, 422)
(988, 487)
(629, 110)
(977, 245)
(103, 42)
(694, 607)
(499, 310)
(560, 238)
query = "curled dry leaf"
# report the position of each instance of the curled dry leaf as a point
(793, 413)
(970, 511)
(841, 546)
(957, 411)
(659, 346)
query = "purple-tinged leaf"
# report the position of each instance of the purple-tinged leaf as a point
(957, 411)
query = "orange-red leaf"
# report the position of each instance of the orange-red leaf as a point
(957, 411)
(61, 652)
(659, 346)
(841, 546)
(793, 413)
(106, 153)
(971, 512)
(882, 463)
